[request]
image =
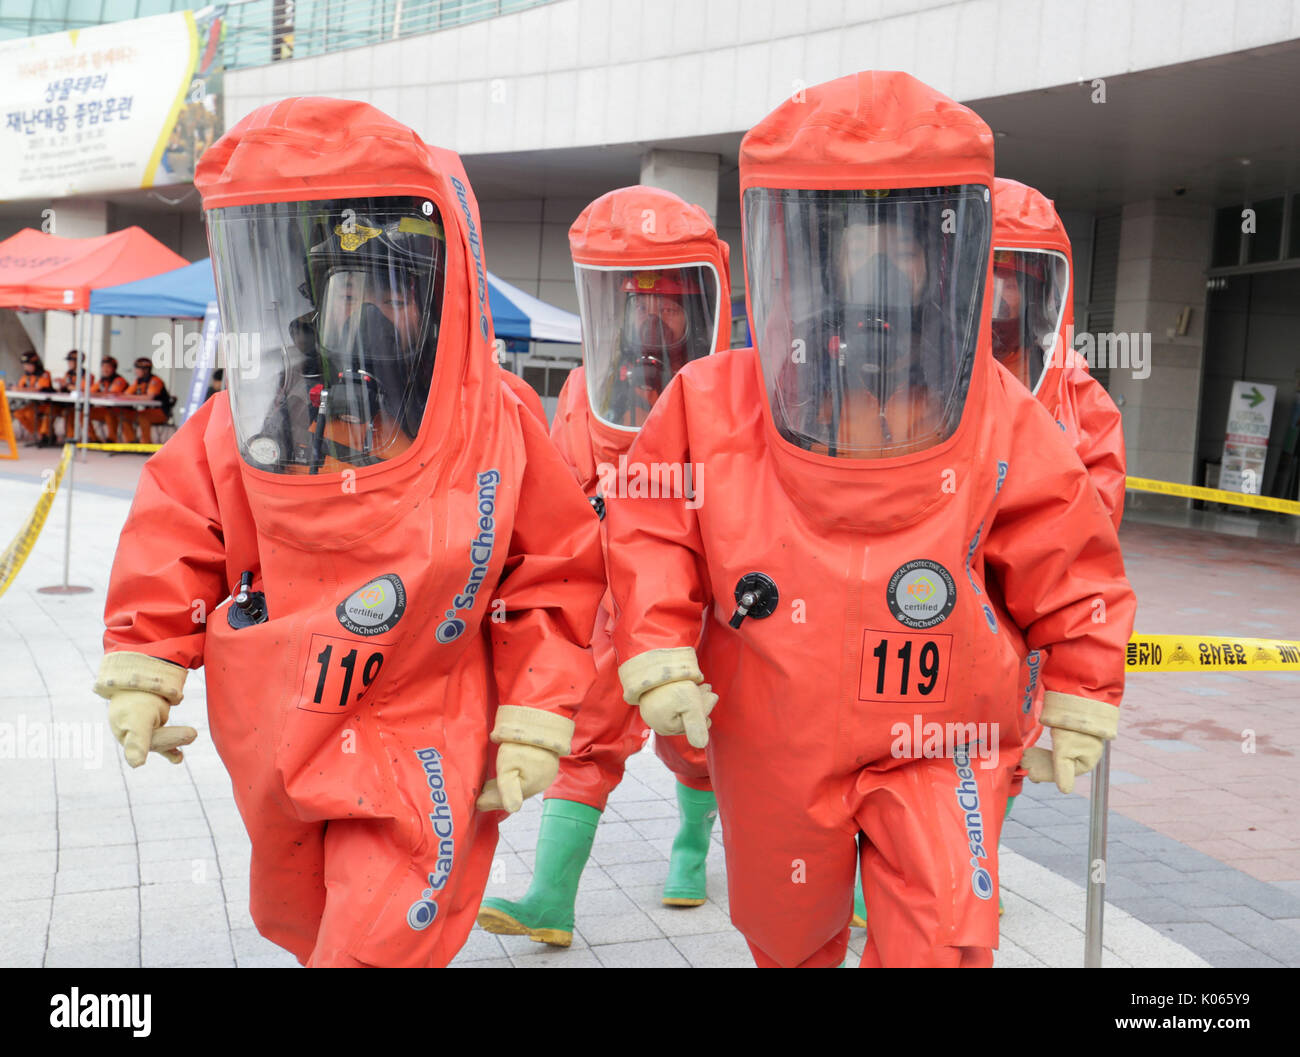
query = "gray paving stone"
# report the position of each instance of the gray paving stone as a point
(657, 828)
(1187, 893)
(249, 944)
(1187, 860)
(193, 871)
(1145, 872)
(638, 810)
(628, 851)
(556, 958)
(614, 833)
(238, 915)
(27, 862)
(151, 851)
(124, 954)
(1155, 910)
(633, 925)
(1119, 852)
(639, 873)
(1074, 835)
(1118, 824)
(23, 926)
(647, 954)
(1119, 889)
(94, 879)
(28, 886)
(1258, 931)
(602, 901)
(197, 919)
(489, 963)
(177, 948)
(688, 921)
(1268, 899)
(480, 945)
(94, 836)
(718, 950)
(1250, 959)
(1210, 942)
(100, 917)
(29, 822)
(521, 946)
(1037, 846)
(177, 895)
(24, 843)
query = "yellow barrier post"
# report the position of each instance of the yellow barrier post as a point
(66, 588)
(1167, 653)
(7, 425)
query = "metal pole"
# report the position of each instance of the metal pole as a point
(83, 400)
(67, 528)
(65, 588)
(1097, 860)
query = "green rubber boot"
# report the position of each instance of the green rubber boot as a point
(545, 914)
(686, 886)
(859, 919)
(1005, 815)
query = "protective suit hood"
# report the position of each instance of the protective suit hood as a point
(641, 227)
(1025, 220)
(310, 149)
(872, 134)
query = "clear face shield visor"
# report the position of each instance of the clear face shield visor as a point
(639, 328)
(1029, 292)
(866, 309)
(330, 314)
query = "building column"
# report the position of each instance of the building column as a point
(75, 218)
(690, 175)
(1163, 253)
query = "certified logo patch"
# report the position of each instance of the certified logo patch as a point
(374, 608)
(921, 594)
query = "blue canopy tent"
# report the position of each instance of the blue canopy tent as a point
(186, 293)
(521, 317)
(181, 294)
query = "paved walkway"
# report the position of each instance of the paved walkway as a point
(101, 865)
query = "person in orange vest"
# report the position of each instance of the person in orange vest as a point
(146, 387)
(109, 383)
(35, 417)
(67, 383)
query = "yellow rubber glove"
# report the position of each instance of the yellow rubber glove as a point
(671, 692)
(680, 708)
(1080, 729)
(141, 691)
(532, 742)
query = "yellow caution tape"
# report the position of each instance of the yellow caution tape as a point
(120, 447)
(1210, 653)
(1214, 495)
(15, 555)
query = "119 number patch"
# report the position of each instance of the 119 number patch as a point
(898, 667)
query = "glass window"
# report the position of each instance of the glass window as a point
(1266, 243)
(1227, 237)
(1294, 249)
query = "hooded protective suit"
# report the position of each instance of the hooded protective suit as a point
(421, 562)
(887, 526)
(613, 247)
(1029, 236)
(1033, 271)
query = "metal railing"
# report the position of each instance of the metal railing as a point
(259, 32)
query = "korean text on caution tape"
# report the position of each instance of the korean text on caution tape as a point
(1214, 495)
(1210, 653)
(15, 555)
